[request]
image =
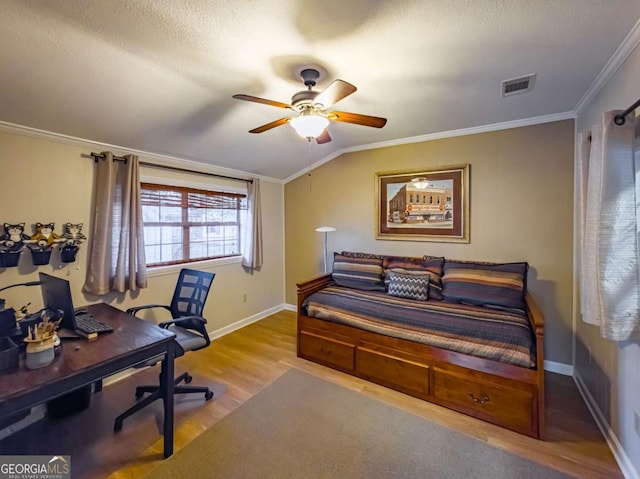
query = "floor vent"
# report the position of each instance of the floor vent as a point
(518, 85)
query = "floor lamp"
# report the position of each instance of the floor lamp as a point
(325, 230)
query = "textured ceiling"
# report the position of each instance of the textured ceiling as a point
(158, 75)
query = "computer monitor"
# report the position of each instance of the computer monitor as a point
(56, 294)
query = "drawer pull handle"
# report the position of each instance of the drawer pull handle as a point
(484, 400)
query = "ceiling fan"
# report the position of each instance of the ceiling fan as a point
(311, 108)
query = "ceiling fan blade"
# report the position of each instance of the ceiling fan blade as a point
(335, 92)
(365, 120)
(273, 124)
(324, 137)
(261, 100)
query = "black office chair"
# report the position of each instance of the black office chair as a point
(189, 327)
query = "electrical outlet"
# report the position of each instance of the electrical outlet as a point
(636, 422)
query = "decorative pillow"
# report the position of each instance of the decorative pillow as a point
(430, 264)
(409, 284)
(358, 273)
(409, 264)
(433, 264)
(497, 284)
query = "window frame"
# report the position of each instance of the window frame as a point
(168, 267)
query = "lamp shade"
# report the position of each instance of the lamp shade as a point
(325, 229)
(309, 125)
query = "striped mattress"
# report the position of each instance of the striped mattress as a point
(496, 334)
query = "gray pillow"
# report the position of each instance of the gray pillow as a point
(409, 284)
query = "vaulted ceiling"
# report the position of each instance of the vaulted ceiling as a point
(158, 75)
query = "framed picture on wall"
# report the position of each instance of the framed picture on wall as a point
(423, 205)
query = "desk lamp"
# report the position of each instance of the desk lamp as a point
(8, 316)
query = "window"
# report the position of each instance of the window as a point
(186, 224)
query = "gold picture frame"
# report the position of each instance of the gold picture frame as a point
(423, 205)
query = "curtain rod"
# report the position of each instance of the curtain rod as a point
(621, 118)
(100, 156)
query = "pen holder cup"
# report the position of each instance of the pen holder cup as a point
(40, 353)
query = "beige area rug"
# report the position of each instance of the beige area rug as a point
(88, 435)
(304, 427)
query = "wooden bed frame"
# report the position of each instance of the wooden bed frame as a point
(503, 394)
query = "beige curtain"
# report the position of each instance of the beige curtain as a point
(608, 273)
(252, 228)
(116, 253)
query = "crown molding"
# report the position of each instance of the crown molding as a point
(536, 120)
(122, 150)
(616, 60)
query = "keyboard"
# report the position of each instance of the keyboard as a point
(87, 324)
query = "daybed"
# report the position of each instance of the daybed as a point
(464, 335)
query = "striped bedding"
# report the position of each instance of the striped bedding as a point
(500, 335)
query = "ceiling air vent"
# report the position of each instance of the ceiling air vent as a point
(518, 85)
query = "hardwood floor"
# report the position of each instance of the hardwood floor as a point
(249, 359)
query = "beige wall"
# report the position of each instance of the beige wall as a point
(607, 369)
(523, 174)
(46, 181)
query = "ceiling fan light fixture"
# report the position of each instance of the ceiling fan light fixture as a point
(420, 183)
(309, 125)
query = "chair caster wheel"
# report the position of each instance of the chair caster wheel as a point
(187, 379)
(208, 395)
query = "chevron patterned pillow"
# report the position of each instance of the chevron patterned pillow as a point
(409, 284)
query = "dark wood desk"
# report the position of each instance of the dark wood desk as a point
(84, 362)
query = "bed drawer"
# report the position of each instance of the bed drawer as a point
(498, 404)
(327, 351)
(397, 373)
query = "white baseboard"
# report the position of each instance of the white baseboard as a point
(245, 322)
(627, 468)
(290, 307)
(560, 368)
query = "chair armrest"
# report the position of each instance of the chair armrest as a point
(146, 306)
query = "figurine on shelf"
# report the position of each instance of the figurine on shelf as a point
(45, 236)
(11, 244)
(41, 243)
(14, 238)
(72, 236)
